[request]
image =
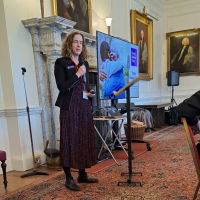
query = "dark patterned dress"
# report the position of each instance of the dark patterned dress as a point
(77, 135)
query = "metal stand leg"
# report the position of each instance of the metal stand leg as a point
(129, 145)
(116, 139)
(106, 145)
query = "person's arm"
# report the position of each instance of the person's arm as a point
(60, 76)
(144, 53)
(190, 56)
(113, 67)
(190, 109)
(175, 55)
(67, 3)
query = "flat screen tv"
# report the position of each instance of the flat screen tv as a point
(117, 62)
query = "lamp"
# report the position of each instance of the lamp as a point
(108, 23)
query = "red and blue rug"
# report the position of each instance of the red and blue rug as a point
(168, 173)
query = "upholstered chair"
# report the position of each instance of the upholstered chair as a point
(3, 165)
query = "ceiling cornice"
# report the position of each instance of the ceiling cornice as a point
(173, 4)
(157, 6)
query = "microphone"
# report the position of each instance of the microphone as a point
(81, 62)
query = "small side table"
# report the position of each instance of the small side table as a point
(110, 121)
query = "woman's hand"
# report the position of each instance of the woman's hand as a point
(88, 94)
(81, 70)
(102, 75)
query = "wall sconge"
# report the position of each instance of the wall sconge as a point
(108, 23)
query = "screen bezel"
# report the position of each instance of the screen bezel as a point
(98, 66)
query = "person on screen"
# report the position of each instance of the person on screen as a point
(142, 49)
(190, 109)
(182, 61)
(104, 52)
(77, 134)
(112, 70)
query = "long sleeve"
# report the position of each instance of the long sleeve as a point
(190, 56)
(64, 84)
(144, 53)
(112, 67)
(190, 108)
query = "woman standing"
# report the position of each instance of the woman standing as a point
(77, 136)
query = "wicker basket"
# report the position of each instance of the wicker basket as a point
(53, 162)
(137, 130)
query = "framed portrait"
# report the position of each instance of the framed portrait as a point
(79, 11)
(183, 52)
(142, 35)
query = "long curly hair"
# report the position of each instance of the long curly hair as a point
(66, 50)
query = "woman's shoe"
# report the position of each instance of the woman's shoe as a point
(71, 185)
(84, 178)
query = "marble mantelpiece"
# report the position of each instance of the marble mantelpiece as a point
(47, 36)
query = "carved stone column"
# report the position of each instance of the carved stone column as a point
(43, 86)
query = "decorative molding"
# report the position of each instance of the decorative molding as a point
(155, 4)
(166, 98)
(183, 14)
(20, 112)
(47, 22)
(174, 4)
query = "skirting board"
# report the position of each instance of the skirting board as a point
(25, 163)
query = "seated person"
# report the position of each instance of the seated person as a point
(190, 109)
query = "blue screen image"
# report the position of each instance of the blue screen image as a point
(117, 62)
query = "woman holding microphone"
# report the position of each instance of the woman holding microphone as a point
(77, 135)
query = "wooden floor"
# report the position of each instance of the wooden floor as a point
(15, 182)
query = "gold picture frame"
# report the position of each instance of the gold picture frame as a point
(142, 25)
(60, 9)
(183, 52)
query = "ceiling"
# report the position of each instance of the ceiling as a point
(167, 2)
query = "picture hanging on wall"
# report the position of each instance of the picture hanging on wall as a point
(142, 35)
(183, 52)
(78, 11)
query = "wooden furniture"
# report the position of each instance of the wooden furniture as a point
(3, 165)
(157, 110)
(194, 153)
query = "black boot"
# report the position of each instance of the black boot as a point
(71, 185)
(84, 178)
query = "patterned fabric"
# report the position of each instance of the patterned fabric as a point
(77, 135)
(168, 173)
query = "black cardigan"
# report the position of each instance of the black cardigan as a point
(190, 109)
(66, 78)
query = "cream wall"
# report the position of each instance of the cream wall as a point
(180, 16)
(16, 52)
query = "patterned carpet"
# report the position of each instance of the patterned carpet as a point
(168, 174)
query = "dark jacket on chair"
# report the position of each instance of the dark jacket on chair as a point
(66, 79)
(190, 109)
